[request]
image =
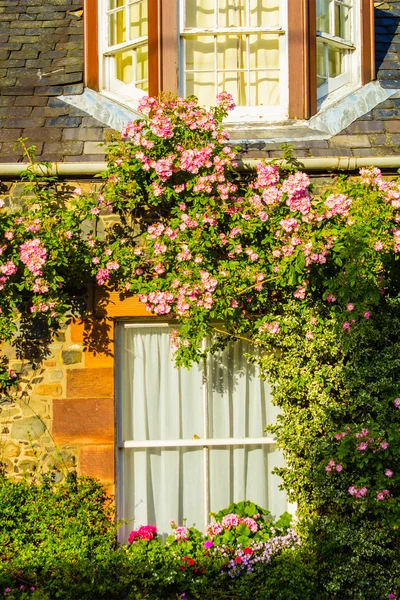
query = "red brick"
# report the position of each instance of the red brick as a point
(83, 420)
(98, 462)
(90, 383)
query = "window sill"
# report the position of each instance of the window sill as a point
(329, 121)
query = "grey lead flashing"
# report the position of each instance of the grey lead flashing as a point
(328, 122)
(101, 108)
(340, 115)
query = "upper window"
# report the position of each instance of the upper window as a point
(277, 58)
(337, 45)
(125, 51)
(235, 46)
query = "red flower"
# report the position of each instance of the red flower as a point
(181, 567)
(191, 562)
(238, 560)
(248, 550)
(184, 558)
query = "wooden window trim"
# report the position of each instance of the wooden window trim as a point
(90, 41)
(302, 59)
(367, 41)
(169, 36)
(153, 37)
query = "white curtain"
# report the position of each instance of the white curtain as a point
(159, 401)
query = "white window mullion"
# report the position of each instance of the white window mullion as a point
(216, 64)
(248, 83)
(198, 443)
(206, 454)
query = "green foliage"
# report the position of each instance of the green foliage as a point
(58, 538)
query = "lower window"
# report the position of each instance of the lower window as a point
(190, 441)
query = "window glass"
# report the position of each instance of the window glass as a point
(117, 28)
(138, 19)
(335, 58)
(321, 64)
(158, 399)
(323, 16)
(264, 13)
(200, 13)
(342, 21)
(123, 66)
(115, 4)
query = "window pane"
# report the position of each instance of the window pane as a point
(123, 66)
(264, 52)
(142, 68)
(115, 4)
(116, 28)
(342, 22)
(244, 473)
(323, 16)
(199, 53)
(264, 13)
(235, 84)
(335, 59)
(200, 13)
(160, 484)
(231, 52)
(159, 401)
(240, 13)
(138, 19)
(232, 13)
(264, 88)
(202, 86)
(321, 64)
(239, 401)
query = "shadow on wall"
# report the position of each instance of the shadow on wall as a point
(387, 44)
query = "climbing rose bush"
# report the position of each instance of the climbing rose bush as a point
(200, 242)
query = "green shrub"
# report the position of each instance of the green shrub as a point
(59, 542)
(59, 538)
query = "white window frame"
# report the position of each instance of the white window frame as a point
(352, 72)
(249, 113)
(110, 86)
(206, 442)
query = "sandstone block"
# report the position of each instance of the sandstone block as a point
(98, 462)
(83, 420)
(90, 383)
